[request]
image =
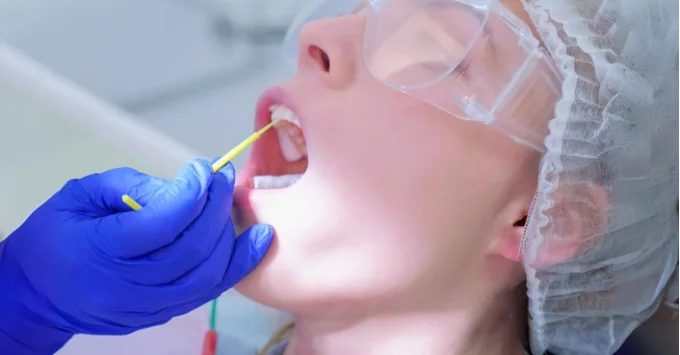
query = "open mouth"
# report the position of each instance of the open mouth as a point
(279, 159)
(292, 145)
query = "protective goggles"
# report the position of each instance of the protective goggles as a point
(473, 59)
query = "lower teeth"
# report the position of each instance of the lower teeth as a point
(275, 182)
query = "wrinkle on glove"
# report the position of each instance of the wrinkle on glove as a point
(83, 262)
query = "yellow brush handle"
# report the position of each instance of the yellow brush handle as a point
(132, 203)
(220, 163)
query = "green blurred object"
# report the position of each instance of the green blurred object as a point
(213, 314)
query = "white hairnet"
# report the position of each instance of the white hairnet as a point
(601, 239)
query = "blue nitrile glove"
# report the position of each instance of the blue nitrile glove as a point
(83, 262)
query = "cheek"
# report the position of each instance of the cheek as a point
(399, 165)
(406, 162)
(385, 141)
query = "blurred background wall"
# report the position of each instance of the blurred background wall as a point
(192, 68)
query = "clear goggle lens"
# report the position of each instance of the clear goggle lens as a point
(471, 58)
(416, 43)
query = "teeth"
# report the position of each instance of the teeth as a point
(275, 182)
(283, 113)
(291, 139)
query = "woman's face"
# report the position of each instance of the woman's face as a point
(398, 200)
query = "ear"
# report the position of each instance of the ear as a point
(576, 219)
(509, 240)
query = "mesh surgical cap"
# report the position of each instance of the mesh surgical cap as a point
(608, 183)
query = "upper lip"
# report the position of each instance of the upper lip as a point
(273, 96)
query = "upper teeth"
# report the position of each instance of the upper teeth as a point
(291, 139)
(280, 112)
(293, 147)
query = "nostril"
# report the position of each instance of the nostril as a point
(321, 57)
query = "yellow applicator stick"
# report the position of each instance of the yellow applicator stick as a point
(220, 163)
(132, 203)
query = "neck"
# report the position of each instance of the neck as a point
(486, 328)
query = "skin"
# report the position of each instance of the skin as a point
(401, 237)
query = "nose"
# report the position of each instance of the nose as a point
(331, 49)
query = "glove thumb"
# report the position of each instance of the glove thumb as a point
(164, 217)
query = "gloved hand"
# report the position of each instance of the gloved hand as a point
(83, 262)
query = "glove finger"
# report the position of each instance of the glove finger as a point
(101, 194)
(252, 245)
(181, 309)
(165, 216)
(196, 282)
(250, 248)
(212, 278)
(164, 314)
(200, 240)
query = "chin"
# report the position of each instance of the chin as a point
(277, 286)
